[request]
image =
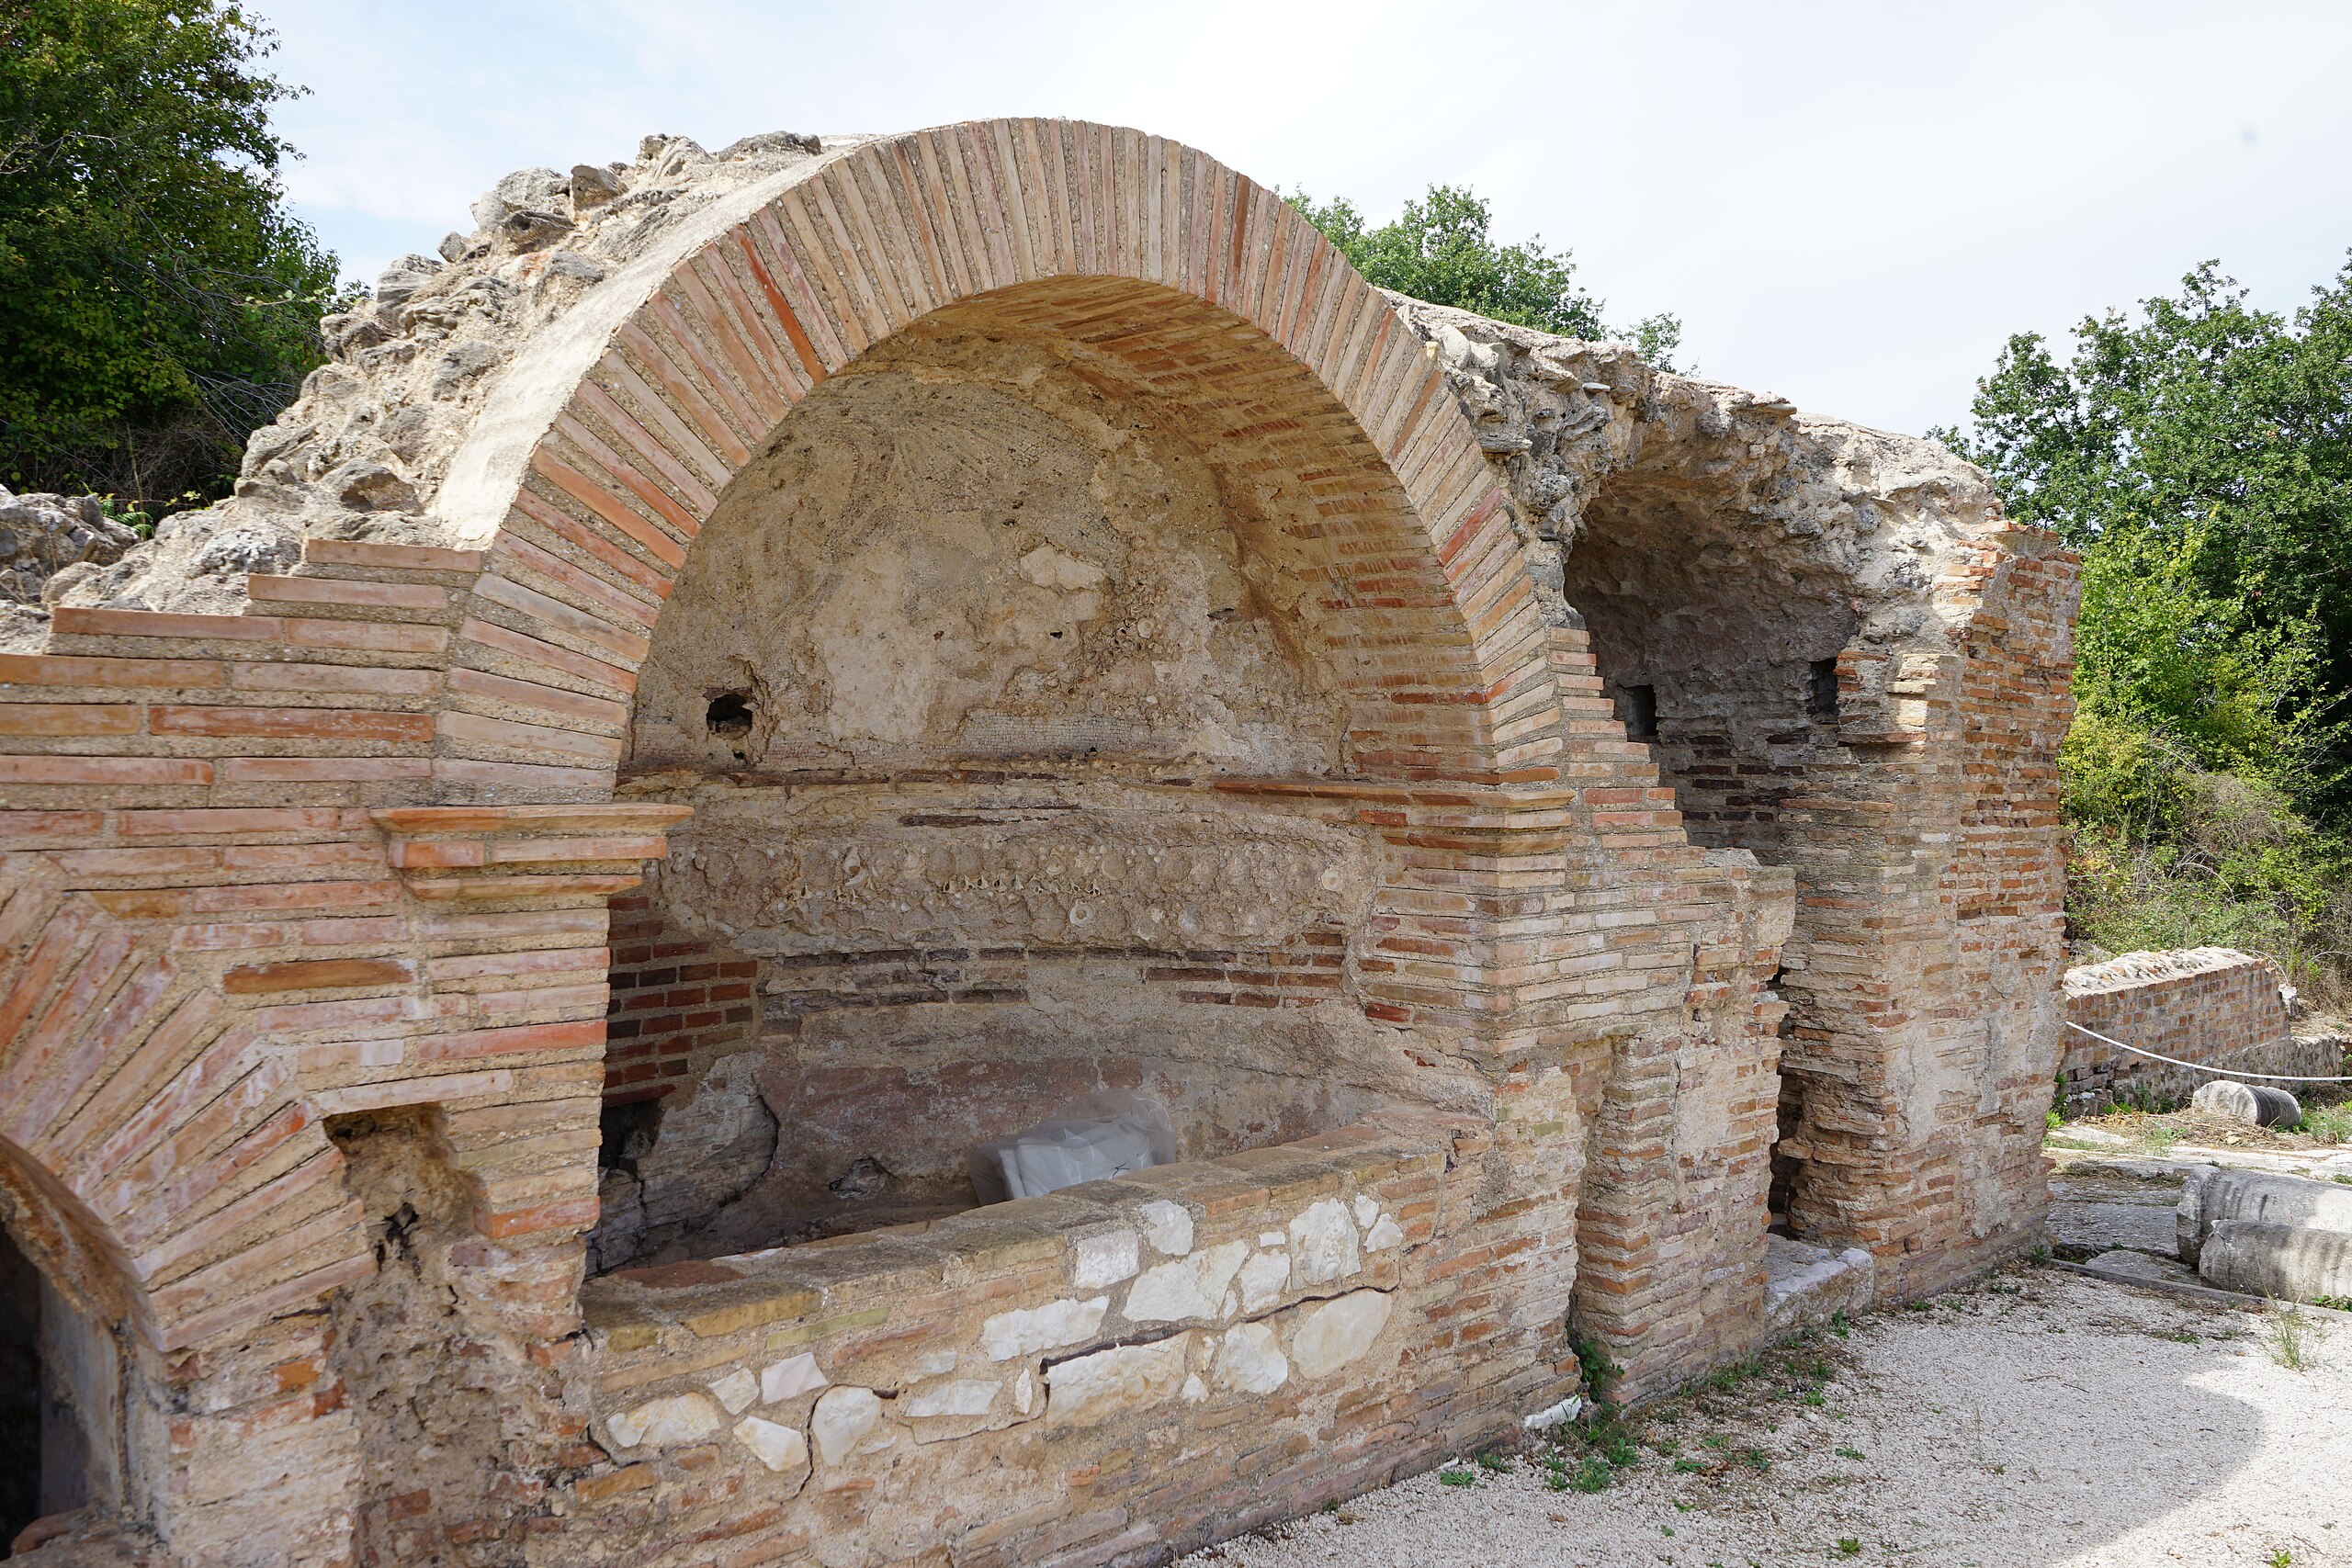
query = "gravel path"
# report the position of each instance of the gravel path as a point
(2039, 1419)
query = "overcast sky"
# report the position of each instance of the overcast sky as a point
(1852, 205)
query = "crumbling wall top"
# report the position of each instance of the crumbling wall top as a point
(365, 449)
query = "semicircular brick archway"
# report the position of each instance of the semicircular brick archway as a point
(131, 1102)
(595, 466)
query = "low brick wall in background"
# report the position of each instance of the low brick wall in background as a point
(2212, 1006)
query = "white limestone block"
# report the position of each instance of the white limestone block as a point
(1105, 1259)
(1189, 1287)
(1366, 1211)
(1385, 1234)
(663, 1423)
(1028, 1330)
(781, 1449)
(1170, 1226)
(1323, 1246)
(1330, 1335)
(1195, 1391)
(1025, 1392)
(736, 1391)
(1263, 1279)
(795, 1374)
(1248, 1360)
(1087, 1390)
(843, 1418)
(957, 1396)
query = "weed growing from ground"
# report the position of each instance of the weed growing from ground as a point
(1457, 1478)
(2290, 1338)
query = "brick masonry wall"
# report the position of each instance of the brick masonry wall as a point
(2211, 1006)
(283, 885)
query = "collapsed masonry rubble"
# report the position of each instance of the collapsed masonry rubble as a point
(750, 675)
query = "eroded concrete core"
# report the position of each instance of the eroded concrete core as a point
(748, 675)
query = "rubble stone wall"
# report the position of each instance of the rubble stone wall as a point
(341, 966)
(2211, 1006)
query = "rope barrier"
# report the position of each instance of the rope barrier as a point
(2199, 1067)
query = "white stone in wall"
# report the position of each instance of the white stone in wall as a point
(1028, 1331)
(1195, 1391)
(1170, 1226)
(661, 1423)
(1366, 1211)
(1330, 1335)
(1383, 1234)
(1263, 1279)
(1025, 1392)
(931, 1363)
(1323, 1244)
(959, 1397)
(1248, 1360)
(1270, 1238)
(843, 1418)
(795, 1374)
(736, 1391)
(1189, 1287)
(1103, 1259)
(1086, 1390)
(781, 1449)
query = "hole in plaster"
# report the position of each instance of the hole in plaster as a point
(730, 714)
(1638, 707)
(1820, 691)
(627, 1133)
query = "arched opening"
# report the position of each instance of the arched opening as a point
(60, 1401)
(1718, 636)
(976, 678)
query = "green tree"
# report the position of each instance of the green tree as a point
(1441, 249)
(157, 302)
(2201, 457)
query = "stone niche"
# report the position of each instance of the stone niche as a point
(968, 681)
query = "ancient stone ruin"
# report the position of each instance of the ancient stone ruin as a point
(750, 675)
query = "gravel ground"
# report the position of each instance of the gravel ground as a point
(2039, 1419)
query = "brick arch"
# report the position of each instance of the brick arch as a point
(130, 1105)
(599, 461)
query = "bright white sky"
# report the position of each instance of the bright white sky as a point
(1852, 205)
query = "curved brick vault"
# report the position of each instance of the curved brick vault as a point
(304, 961)
(1207, 290)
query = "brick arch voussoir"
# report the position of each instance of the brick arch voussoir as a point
(139, 1120)
(785, 287)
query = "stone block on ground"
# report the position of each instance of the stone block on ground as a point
(2255, 1105)
(2142, 1266)
(2213, 1197)
(2282, 1261)
(1805, 1284)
